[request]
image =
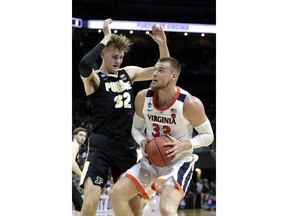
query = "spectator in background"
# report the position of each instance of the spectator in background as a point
(79, 137)
(205, 192)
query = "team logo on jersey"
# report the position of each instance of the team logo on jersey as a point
(173, 115)
(123, 77)
(149, 107)
(99, 180)
(102, 75)
(173, 110)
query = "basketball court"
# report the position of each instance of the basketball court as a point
(184, 212)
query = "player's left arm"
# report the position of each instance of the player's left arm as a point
(143, 74)
(194, 112)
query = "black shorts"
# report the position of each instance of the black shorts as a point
(77, 199)
(108, 152)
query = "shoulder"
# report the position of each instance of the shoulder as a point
(193, 110)
(142, 94)
(75, 144)
(192, 102)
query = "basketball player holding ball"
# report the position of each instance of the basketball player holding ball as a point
(164, 109)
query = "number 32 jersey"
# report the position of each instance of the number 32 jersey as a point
(113, 104)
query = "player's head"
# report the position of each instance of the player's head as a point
(120, 42)
(167, 71)
(114, 51)
(79, 135)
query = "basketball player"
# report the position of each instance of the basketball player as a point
(164, 109)
(79, 137)
(111, 145)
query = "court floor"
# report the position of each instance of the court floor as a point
(184, 212)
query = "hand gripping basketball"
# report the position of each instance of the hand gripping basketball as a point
(156, 151)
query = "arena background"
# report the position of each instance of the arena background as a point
(196, 52)
(36, 114)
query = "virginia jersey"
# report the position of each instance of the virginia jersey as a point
(113, 105)
(167, 120)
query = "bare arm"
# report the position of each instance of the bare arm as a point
(87, 64)
(158, 35)
(75, 150)
(194, 112)
(138, 125)
(142, 74)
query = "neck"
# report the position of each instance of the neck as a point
(104, 70)
(164, 98)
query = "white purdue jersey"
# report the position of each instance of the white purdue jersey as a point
(167, 120)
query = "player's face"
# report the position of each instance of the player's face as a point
(113, 59)
(161, 76)
(81, 137)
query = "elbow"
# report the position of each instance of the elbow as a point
(84, 69)
(209, 140)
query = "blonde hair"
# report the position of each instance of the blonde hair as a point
(120, 42)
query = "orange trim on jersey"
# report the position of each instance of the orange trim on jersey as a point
(160, 181)
(139, 187)
(180, 189)
(169, 105)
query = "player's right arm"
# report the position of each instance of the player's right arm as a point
(87, 64)
(138, 124)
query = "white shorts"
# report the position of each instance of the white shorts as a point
(150, 179)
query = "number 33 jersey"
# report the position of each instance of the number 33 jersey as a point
(169, 119)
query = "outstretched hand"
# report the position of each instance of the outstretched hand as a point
(158, 34)
(106, 27)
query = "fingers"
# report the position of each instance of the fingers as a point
(108, 21)
(156, 28)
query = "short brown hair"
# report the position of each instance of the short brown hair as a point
(79, 129)
(120, 42)
(173, 62)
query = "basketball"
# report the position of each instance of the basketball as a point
(156, 151)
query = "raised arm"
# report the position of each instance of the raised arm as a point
(159, 36)
(142, 74)
(87, 63)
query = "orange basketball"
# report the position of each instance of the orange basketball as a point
(156, 151)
